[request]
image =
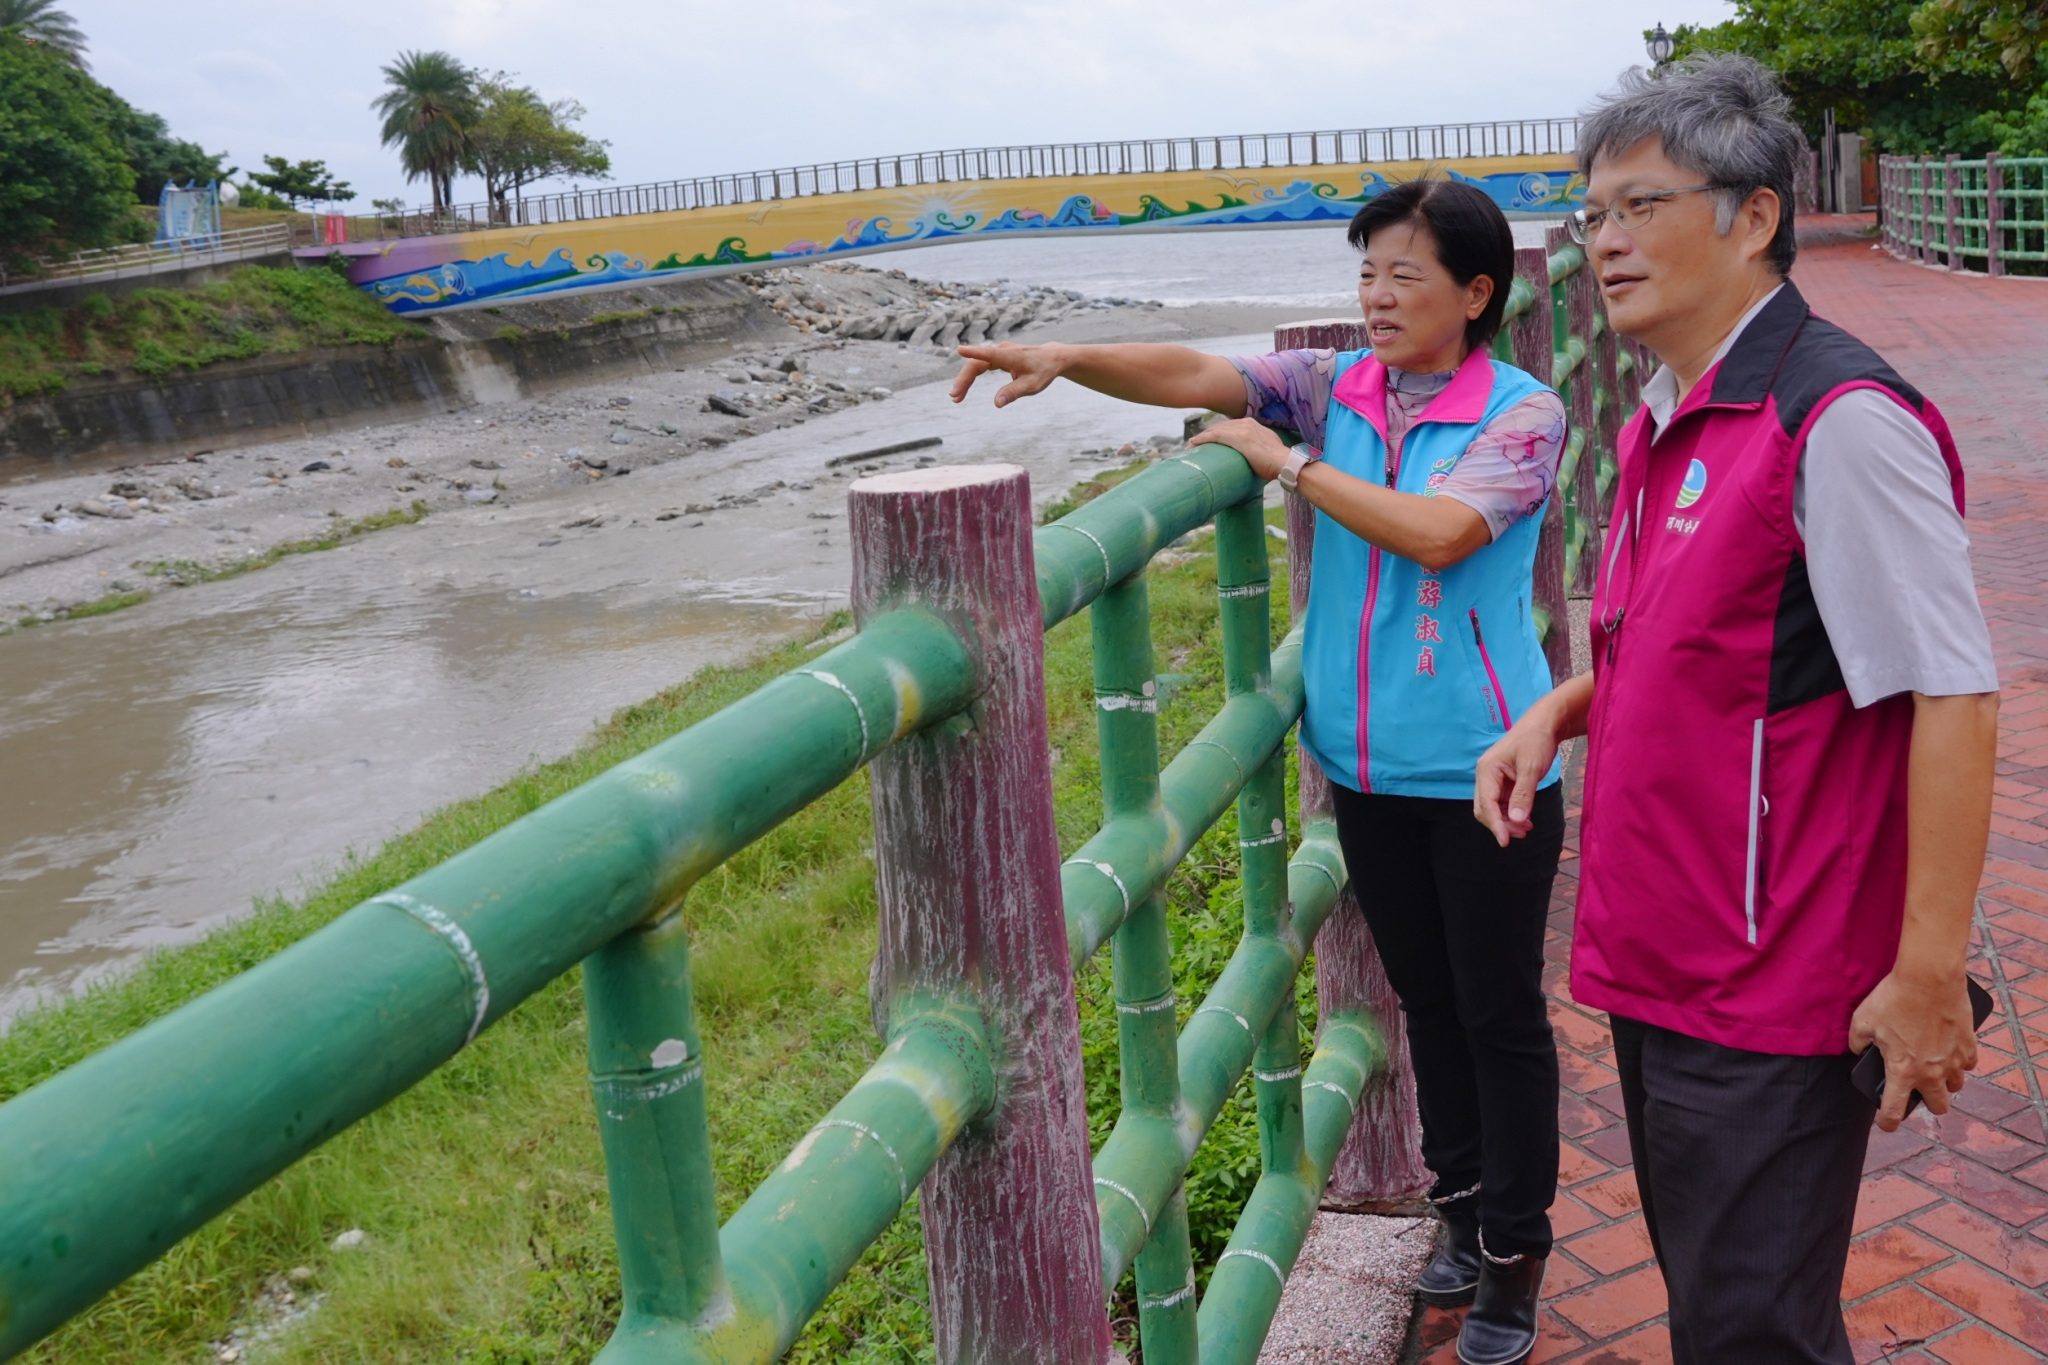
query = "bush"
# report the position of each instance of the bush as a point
(258, 310)
(63, 181)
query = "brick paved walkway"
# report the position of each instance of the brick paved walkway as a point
(1950, 1261)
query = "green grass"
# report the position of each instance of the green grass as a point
(257, 310)
(1089, 490)
(99, 606)
(482, 1189)
(183, 573)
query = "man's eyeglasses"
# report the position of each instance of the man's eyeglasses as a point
(1630, 213)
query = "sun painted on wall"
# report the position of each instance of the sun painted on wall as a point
(434, 274)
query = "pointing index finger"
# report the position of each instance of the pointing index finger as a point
(962, 382)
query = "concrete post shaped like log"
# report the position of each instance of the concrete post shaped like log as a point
(1571, 316)
(1951, 195)
(1994, 190)
(967, 878)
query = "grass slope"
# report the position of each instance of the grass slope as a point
(257, 310)
(482, 1190)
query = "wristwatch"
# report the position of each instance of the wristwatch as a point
(1298, 459)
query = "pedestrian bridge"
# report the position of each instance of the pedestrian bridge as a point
(629, 235)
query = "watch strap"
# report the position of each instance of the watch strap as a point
(1299, 458)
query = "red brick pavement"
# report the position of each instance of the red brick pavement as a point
(1950, 1261)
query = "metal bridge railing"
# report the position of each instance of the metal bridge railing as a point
(1150, 156)
(983, 924)
(152, 258)
(1983, 216)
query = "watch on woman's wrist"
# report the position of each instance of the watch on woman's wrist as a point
(1299, 458)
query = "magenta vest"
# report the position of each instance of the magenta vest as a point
(1744, 826)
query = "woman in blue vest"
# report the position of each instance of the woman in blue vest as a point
(1428, 464)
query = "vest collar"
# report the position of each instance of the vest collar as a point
(1363, 389)
(1746, 373)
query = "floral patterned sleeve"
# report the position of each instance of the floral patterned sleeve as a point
(1511, 466)
(1289, 390)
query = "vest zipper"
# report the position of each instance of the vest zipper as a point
(1614, 558)
(1372, 593)
(1596, 731)
(1500, 695)
(1756, 809)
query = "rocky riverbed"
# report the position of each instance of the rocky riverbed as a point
(854, 336)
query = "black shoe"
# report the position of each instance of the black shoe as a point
(1501, 1328)
(1452, 1276)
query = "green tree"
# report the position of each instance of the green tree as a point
(427, 106)
(156, 156)
(42, 23)
(254, 196)
(1863, 59)
(296, 180)
(63, 182)
(517, 138)
(2008, 33)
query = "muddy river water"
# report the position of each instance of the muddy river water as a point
(167, 766)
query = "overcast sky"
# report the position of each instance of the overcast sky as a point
(688, 88)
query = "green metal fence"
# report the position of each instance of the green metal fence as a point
(1988, 216)
(976, 1096)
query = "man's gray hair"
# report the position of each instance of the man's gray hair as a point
(1720, 116)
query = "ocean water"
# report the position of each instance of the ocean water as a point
(1305, 267)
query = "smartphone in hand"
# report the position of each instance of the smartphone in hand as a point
(1868, 1073)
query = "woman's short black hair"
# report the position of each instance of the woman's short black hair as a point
(1472, 238)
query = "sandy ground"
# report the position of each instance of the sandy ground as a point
(138, 525)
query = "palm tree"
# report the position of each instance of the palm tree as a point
(428, 103)
(40, 21)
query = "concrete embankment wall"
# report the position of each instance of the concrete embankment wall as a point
(477, 358)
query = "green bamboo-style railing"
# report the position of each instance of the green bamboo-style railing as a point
(1987, 215)
(975, 1096)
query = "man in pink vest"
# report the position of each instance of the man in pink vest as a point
(1791, 724)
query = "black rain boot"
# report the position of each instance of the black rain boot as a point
(1452, 1276)
(1501, 1328)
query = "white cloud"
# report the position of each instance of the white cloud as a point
(249, 71)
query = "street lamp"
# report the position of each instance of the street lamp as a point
(1659, 46)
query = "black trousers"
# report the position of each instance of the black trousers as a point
(1459, 924)
(1748, 1164)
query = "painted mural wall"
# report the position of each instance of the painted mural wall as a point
(501, 265)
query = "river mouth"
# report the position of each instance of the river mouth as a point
(171, 765)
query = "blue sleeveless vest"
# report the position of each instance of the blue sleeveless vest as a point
(1411, 675)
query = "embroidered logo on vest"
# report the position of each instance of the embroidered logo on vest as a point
(1691, 491)
(1694, 487)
